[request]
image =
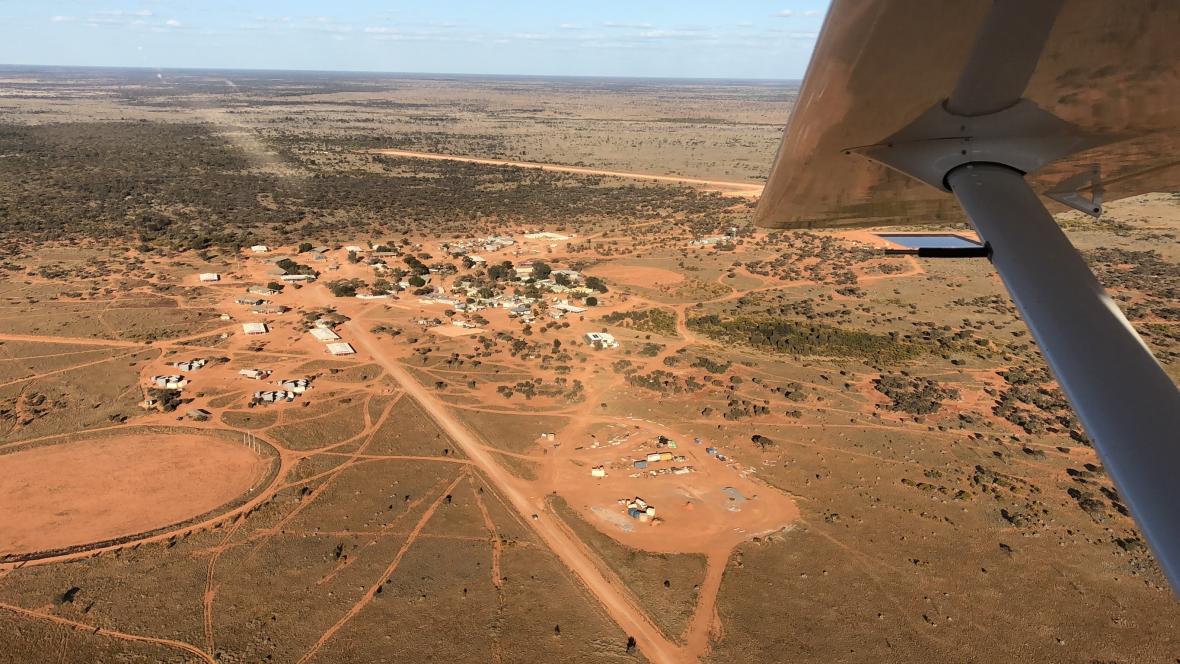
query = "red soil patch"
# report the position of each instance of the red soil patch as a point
(88, 491)
(637, 275)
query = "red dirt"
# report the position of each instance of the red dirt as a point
(637, 275)
(743, 189)
(105, 488)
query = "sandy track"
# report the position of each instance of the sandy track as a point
(745, 189)
(617, 603)
(79, 341)
(386, 575)
(123, 636)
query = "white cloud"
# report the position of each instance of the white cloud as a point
(811, 12)
(62, 19)
(623, 24)
(173, 23)
(785, 13)
(671, 34)
(569, 26)
(124, 12)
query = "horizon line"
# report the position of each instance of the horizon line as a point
(395, 73)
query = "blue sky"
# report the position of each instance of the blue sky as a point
(689, 38)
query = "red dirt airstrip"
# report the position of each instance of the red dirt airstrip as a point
(84, 491)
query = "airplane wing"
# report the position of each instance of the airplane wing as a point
(941, 111)
(1108, 68)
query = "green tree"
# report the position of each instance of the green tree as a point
(596, 283)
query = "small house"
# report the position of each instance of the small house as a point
(210, 276)
(170, 382)
(341, 348)
(324, 334)
(190, 365)
(598, 471)
(255, 328)
(256, 374)
(260, 248)
(569, 308)
(601, 340)
(274, 396)
(296, 385)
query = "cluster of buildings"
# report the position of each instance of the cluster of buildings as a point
(290, 388)
(489, 244)
(638, 509)
(274, 396)
(322, 332)
(190, 365)
(169, 382)
(661, 457)
(713, 240)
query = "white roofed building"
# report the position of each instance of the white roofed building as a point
(601, 340)
(255, 328)
(324, 334)
(341, 348)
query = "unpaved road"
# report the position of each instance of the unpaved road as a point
(744, 189)
(618, 604)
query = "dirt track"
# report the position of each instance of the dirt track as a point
(620, 606)
(744, 189)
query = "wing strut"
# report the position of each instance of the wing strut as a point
(1129, 407)
(979, 145)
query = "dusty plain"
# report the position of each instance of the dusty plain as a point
(850, 456)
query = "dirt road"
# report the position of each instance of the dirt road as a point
(744, 189)
(618, 604)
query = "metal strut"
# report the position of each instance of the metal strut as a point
(1127, 403)
(979, 144)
